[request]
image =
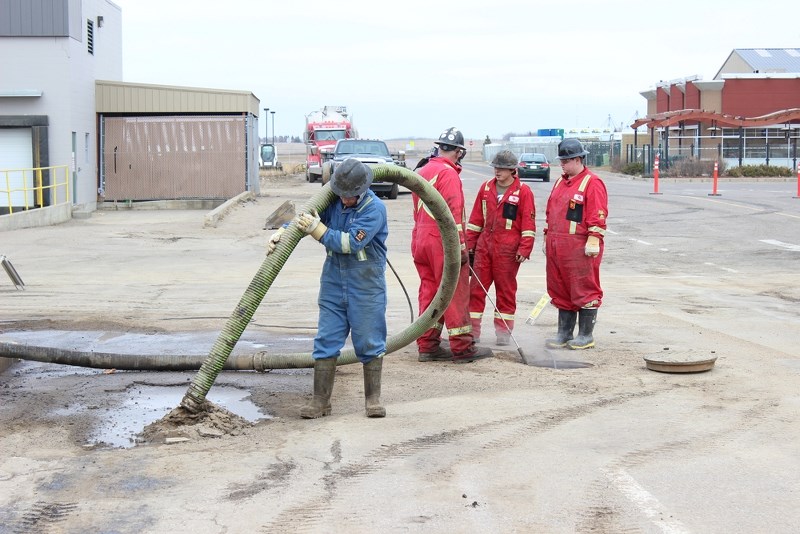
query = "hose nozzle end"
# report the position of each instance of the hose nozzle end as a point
(191, 403)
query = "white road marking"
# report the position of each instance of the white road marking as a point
(754, 208)
(788, 246)
(645, 501)
(723, 268)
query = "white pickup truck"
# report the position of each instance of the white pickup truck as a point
(369, 151)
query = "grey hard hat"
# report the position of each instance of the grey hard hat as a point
(452, 137)
(571, 148)
(505, 159)
(351, 178)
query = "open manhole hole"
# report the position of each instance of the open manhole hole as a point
(560, 364)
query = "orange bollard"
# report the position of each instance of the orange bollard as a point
(798, 182)
(655, 177)
(713, 192)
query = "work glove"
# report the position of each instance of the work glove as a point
(311, 224)
(544, 245)
(464, 257)
(472, 258)
(592, 246)
(273, 241)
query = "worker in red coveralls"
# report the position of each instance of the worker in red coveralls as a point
(500, 236)
(574, 230)
(442, 170)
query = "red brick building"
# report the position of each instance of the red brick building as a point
(749, 114)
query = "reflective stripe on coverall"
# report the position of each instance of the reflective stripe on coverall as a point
(352, 295)
(498, 232)
(428, 254)
(573, 279)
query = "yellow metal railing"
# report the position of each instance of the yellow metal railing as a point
(28, 184)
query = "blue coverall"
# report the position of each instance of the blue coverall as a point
(352, 295)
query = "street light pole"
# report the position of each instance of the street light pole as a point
(273, 127)
(266, 125)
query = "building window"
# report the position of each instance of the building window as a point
(90, 36)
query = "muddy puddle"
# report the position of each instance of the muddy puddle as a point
(144, 404)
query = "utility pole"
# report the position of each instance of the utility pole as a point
(266, 125)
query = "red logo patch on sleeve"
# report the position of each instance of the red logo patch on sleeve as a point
(360, 235)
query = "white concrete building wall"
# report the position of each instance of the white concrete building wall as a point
(83, 70)
(34, 63)
(65, 72)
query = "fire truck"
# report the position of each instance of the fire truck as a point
(323, 128)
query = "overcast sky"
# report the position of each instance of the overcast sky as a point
(414, 68)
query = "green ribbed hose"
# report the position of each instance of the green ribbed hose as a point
(194, 399)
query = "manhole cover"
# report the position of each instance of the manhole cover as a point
(679, 365)
(560, 364)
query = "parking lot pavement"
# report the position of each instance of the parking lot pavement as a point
(493, 446)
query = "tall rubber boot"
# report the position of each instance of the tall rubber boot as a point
(586, 320)
(372, 388)
(566, 325)
(320, 405)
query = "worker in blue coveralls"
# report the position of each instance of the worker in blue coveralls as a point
(352, 295)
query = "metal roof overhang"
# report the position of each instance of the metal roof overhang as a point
(670, 118)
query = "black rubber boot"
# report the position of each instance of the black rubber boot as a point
(372, 388)
(440, 354)
(320, 405)
(586, 320)
(473, 353)
(566, 325)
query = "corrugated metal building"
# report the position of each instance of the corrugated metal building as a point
(160, 142)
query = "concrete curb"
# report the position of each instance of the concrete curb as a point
(728, 179)
(213, 217)
(46, 216)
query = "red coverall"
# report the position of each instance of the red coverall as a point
(498, 231)
(428, 254)
(573, 279)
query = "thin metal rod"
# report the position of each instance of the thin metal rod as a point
(519, 349)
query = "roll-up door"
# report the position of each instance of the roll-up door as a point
(15, 156)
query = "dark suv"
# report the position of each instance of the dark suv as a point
(533, 165)
(369, 151)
